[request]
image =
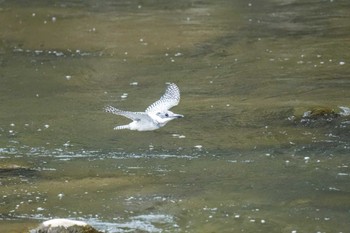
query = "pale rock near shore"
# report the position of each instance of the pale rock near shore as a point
(62, 225)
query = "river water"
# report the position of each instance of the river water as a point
(264, 144)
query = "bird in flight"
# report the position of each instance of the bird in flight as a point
(155, 116)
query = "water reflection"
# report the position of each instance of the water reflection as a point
(242, 159)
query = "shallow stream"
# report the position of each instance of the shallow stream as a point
(264, 145)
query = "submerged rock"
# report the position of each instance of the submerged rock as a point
(64, 226)
(9, 170)
(319, 115)
(323, 116)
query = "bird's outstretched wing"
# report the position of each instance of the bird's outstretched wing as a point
(135, 116)
(170, 99)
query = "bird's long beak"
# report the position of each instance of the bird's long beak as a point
(178, 116)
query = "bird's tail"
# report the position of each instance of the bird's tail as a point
(112, 110)
(121, 127)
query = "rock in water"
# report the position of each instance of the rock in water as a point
(61, 225)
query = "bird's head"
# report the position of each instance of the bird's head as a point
(166, 116)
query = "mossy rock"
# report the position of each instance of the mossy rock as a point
(318, 116)
(322, 112)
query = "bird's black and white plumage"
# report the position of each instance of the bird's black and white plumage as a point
(155, 116)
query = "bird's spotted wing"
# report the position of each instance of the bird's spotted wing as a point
(170, 99)
(135, 116)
